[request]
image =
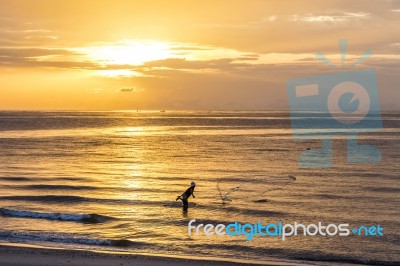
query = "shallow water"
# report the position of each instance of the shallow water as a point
(108, 181)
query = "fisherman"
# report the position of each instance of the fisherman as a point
(185, 196)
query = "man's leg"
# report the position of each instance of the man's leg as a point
(185, 202)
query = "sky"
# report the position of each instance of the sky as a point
(208, 55)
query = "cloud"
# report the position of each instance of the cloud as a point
(20, 35)
(131, 89)
(216, 60)
(34, 52)
(272, 18)
(330, 17)
(126, 90)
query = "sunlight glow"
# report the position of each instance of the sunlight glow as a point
(129, 52)
(139, 52)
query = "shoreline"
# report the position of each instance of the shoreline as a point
(24, 254)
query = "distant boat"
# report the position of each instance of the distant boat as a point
(162, 111)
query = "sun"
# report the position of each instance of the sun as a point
(129, 52)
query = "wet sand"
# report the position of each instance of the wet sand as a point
(17, 255)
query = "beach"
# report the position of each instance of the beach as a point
(17, 255)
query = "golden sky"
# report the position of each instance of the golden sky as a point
(108, 55)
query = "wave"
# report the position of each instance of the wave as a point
(13, 179)
(83, 218)
(47, 198)
(55, 199)
(59, 187)
(271, 149)
(261, 201)
(69, 239)
(384, 189)
(29, 179)
(91, 188)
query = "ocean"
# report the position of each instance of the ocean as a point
(107, 181)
